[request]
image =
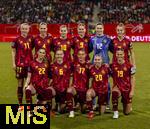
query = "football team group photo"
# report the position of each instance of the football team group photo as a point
(83, 62)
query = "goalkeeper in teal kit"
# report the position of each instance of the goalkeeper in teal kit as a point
(100, 44)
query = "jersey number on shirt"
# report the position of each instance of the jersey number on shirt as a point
(99, 46)
(98, 77)
(120, 73)
(19, 69)
(61, 71)
(81, 44)
(64, 47)
(82, 70)
(27, 46)
(41, 71)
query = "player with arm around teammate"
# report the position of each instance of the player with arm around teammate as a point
(37, 82)
(61, 80)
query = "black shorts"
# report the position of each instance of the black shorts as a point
(21, 72)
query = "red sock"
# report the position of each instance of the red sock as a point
(115, 96)
(69, 98)
(20, 94)
(28, 96)
(89, 105)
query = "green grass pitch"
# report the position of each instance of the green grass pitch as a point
(139, 118)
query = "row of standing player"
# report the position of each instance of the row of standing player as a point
(100, 43)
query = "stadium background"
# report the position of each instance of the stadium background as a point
(135, 13)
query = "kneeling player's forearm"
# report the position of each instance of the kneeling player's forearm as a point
(50, 82)
(90, 82)
(71, 81)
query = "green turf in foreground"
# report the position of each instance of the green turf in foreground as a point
(139, 119)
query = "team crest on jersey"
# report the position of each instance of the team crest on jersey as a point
(65, 66)
(124, 44)
(103, 72)
(68, 42)
(86, 40)
(119, 47)
(48, 41)
(104, 41)
(46, 65)
(125, 68)
(115, 44)
(86, 66)
(78, 65)
(36, 67)
(94, 73)
(116, 68)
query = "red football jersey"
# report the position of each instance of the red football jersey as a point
(124, 44)
(81, 43)
(65, 45)
(122, 75)
(81, 76)
(60, 76)
(45, 43)
(23, 48)
(100, 78)
(39, 74)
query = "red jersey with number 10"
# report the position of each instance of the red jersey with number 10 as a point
(65, 45)
(124, 44)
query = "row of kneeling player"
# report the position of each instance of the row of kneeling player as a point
(80, 82)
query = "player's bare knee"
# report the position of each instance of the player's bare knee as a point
(20, 83)
(70, 90)
(89, 95)
(53, 91)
